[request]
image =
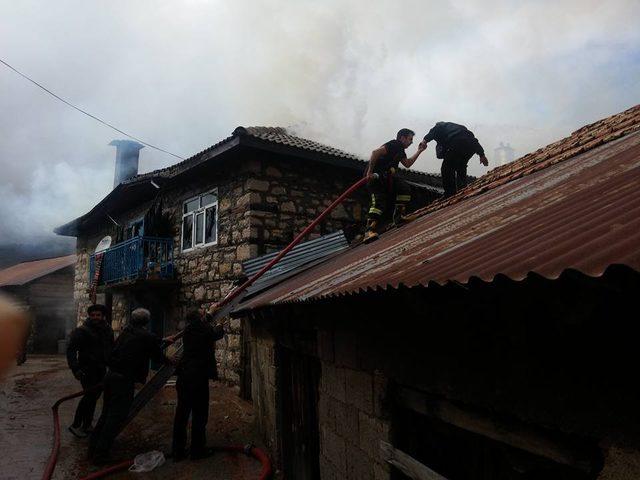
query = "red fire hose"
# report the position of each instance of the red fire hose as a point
(254, 451)
(238, 290)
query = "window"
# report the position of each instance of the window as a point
(200, 221)
(134, 229)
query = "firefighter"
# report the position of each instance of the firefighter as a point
(455, 145)
(385, 162)
(128, 364)
(196, 367)
(89, 348)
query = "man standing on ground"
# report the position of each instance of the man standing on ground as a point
(128, 364)
(455, 145)
(196, 367)
(89, 347)
(385, 161)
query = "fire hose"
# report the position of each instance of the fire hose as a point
(249, 450)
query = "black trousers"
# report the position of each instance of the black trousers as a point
(385, 189)
(454, 164)
(87, 406)
(193, 399)
(118, 396)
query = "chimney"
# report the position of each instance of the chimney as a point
(127, 156)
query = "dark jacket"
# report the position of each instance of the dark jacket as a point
(198, 357)
(447, 133)
(132, 351)
(89, 348)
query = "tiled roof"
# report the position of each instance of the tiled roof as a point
(256, 137)
(28, 271)
(281, 136)
(276, 136)
(574, 205)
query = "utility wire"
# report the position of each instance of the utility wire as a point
(87, 113)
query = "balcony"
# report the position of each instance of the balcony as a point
(140, 258)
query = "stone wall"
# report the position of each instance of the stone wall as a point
(264, 201)
(264, 386)
(352, 424)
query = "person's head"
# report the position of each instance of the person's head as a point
(405, 137)
(193, 315)
(140, 317)
(97, 313)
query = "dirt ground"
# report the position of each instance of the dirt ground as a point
(26, 429)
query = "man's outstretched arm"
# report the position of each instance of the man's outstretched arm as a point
(407, 162)
(480, 152)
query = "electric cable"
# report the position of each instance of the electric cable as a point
(85, 112)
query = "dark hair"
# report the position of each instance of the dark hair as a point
(97, 308)
(403, 132)
(193, 315)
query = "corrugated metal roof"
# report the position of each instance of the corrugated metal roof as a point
(299, 258)
(28, 271)
(572, 205)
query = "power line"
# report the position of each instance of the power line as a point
(87, 113)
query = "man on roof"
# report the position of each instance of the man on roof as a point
(455, 145)
(385, 161)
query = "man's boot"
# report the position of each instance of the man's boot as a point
(370, 233)
(399, 217)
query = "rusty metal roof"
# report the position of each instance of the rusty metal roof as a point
(572, 205)
(28, 271)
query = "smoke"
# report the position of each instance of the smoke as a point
(349, 74)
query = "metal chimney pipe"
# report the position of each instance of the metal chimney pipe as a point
(127, 157)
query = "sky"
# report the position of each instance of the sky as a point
(183, 75)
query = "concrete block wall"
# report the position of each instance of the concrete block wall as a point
(263, 386)
(352, 415)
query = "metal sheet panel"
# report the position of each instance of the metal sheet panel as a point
(28, 271)
(296, 260)
(573, 205)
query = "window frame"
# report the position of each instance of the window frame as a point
(131, 224)
(202, 209)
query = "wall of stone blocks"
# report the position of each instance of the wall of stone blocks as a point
(264, 386)
(622, 462)
(352, 412)
(265, 199)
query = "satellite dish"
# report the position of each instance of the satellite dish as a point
(103, 244)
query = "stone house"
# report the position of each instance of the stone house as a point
(45, 288)
(179, 235)
(491, 338)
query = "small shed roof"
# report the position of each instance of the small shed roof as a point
(26, 272)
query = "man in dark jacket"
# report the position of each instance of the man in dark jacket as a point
(195, 368)
(89, 347)
(128, 364)
(455, 146)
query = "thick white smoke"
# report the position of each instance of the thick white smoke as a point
(348, 73)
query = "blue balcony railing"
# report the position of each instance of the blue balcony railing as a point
(140, 258)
